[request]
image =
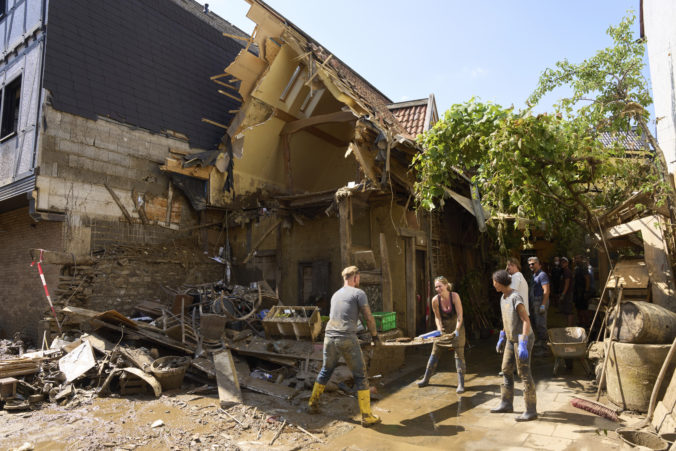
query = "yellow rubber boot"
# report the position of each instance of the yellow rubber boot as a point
(313, 403)
(367, 418)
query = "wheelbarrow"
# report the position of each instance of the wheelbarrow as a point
(568, 343)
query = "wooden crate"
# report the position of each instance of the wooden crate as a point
(7, 387)
(300, 322)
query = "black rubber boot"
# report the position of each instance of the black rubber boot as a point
(531, 410)
(460, 369)
(429, 371)
(506, 401)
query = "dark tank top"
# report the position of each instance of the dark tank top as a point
(446, 314)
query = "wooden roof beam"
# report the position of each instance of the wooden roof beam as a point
(312, 130)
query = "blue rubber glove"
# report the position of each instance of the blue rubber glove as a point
(501, 342)
(523, 347)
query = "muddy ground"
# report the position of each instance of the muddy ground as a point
(434, 417)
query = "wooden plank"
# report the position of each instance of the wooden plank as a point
(60, 258)
(297, 125)
(386, 275)
(261, 239)
(157, 338)
(174, 165)
(365, 160)
(140, 202)
(625, 229)
(234, 36)
(286, 117)
(417, 341)
(410, 286)
(218, 124)
(268, 388)
(148, 378)
(229, 391)
(227, 94)
(119, 203)
(345, 233)
(170, 200)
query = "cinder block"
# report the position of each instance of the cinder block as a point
(118, 159)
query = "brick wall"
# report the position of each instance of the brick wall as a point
(22, 298)
(104, 233)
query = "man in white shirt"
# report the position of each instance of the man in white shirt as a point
(518, 280)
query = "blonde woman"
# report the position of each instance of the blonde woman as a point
(447, 309)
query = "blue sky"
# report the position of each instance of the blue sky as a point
(454, 49)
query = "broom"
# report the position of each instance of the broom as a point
(595, 408)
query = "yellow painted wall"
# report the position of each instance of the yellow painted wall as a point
(278, 76)
(262, 162)
(317, 165)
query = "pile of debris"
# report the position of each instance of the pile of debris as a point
(214, 337)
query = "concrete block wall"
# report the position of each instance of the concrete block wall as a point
(79, 155)
(22, 298)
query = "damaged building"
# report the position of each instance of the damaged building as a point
(154, 145)
(313, 175)
(95, 94)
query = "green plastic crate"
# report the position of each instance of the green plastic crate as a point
(385, 321)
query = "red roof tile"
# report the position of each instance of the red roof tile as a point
(411, 115)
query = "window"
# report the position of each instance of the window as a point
(11, 99)
(3, 9)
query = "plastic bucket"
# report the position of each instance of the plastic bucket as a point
(170, 371)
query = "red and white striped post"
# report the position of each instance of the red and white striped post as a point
(44, 284)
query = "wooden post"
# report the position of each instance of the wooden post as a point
(60, 258)
(261, 239)
(657, 260)
(170, 200)
(119, 203)
(386, 275)
(345, 233)
(410, 286)
(286, 149)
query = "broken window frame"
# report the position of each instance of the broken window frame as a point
(10, 108)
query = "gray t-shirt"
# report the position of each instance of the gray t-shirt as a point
(511, 320)
(345, 306)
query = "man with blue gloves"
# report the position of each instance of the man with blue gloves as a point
(516, 341)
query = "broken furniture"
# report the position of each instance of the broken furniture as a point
(7, 388)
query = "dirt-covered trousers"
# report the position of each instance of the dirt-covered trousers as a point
(457, 343)
(509, 361)
(539, 320)
(348, 348)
